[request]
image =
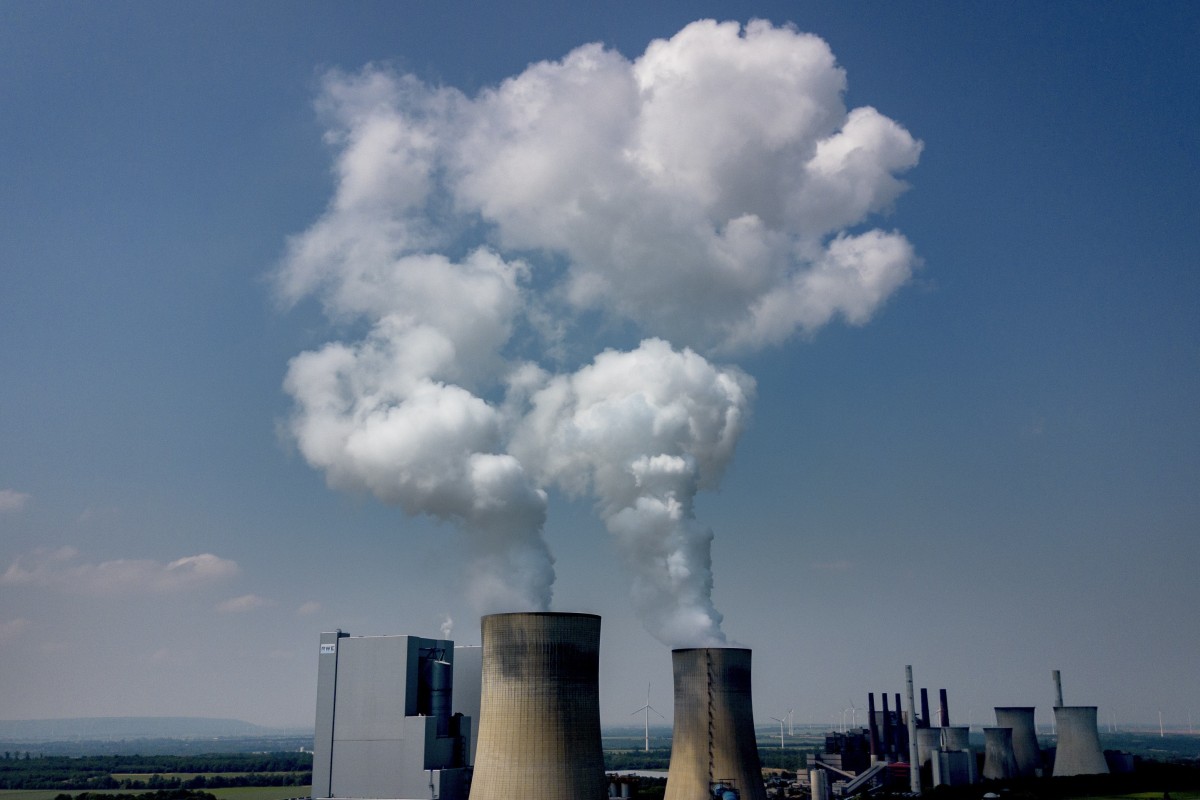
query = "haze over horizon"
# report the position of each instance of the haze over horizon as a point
(862, 336)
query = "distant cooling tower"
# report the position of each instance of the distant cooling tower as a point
(539, 726)
(999, 761)
(928, 741)
(1078, 750)
(713, 741)
(956, 737)
(1024, 738)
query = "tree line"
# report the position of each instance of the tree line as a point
(96, 772)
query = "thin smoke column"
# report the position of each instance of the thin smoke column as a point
(489, 262)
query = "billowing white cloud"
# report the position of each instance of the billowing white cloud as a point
(12, 500)
(246, 602)
(61, 570)
(712, 194)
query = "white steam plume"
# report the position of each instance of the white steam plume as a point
(643, 431)
(704, 193)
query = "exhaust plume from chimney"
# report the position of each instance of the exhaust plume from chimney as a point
(488, 261)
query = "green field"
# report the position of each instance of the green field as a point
(232, 793)
(183, 776)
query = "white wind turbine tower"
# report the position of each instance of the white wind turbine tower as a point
(853, 714)
(647, 709)
(777, 719)
(792, 727)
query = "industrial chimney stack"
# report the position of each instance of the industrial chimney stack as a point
(539, 726)
(713, 740)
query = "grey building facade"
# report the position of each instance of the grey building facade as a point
(386, 724)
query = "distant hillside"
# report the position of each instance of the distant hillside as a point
(125, 728)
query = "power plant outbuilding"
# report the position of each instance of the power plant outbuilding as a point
(539, 732)
(713, 740)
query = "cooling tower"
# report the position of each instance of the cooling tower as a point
(928, 741)
(539, 717)
(713, 741)
(999, 761)
(1024, 738)
(956, 737)
(1078, 750)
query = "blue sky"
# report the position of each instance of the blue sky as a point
(993, 475)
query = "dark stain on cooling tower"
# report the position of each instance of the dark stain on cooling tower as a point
(515, 656)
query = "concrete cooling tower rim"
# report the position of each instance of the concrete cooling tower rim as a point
(541, 614)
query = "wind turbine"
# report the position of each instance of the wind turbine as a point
(777, 719)
(853, 714)
(647, 709)
(792, 727)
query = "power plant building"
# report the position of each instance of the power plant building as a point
(386, 725)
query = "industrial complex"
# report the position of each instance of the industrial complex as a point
(405, 717)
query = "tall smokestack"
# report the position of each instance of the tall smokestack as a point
(914, 762)
(1078, 751)
(1024, 738)
(924, 720)
(1058, 701)
(873, 726)
(943, 709)
(713, 740)
(889, 744)
(539, 726)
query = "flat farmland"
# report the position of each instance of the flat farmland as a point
(231, 793)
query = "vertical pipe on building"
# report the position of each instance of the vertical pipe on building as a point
(943, 709)
(914, 764)
(924, 721)
(1058, 699)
